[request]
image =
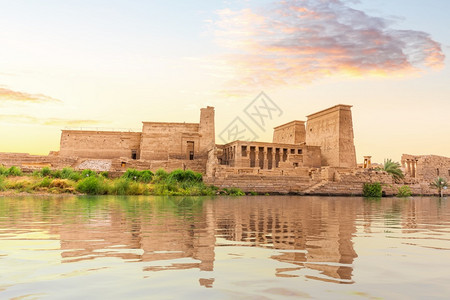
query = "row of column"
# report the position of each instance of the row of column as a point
(411, 167)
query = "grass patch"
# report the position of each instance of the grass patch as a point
(132, 182)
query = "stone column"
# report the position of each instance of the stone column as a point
(256, 157)
(274, 163)
(408, 167)
(413, 163)
(266, 160)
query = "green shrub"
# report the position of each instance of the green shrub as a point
(135, 175)
(75, 176)
(183, 176)
(69, 173)
(66, 172)
(88, 173)
(2, 183)
(46, 171)
(131, 174)
(146, 176)
(92, 185)
(104, 174)
(120, 187)
(14, 171)
(161, 174)
(45, 182)
(234, 191)
(404, 191)
(372, 190)
(56, 174)
(3, 171)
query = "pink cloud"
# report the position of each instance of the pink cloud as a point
(299, 41)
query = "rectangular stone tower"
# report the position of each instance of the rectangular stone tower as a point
(290, 133)
(332, 130)
(206, 129)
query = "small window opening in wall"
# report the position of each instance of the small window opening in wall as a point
(191, 155)
(123, 164)
(133, 154)
(292, 151)
(299, 151)
(295, 165)
(310, 129)
(437, 172)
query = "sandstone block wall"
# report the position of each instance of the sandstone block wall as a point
(99, 144)
(207, 130)
(426, 168)
(29, 162)
(163, 140)
(332, 130)
(290, 133)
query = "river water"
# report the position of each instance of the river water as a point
(256, 247)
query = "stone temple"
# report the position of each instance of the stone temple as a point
(326, 140)
(316, 156)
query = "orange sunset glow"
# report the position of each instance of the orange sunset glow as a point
(70, 64)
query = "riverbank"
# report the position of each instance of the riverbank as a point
(132, 182)
(189, 183)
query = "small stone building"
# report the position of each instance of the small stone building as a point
(425, 168)
(157, 141)
(327, 140)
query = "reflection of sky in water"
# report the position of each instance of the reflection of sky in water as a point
(274, 247)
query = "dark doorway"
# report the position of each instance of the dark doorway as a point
(190, 150)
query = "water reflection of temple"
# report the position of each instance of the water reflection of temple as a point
(320, 231)
(310, 234)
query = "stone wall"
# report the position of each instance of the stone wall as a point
(99, 144)
(290, 133)
(29, 162)
(161, 141)
(332, 130)
(425, 168)
(207, 130)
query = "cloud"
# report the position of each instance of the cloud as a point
(299, 41)
(58, 122)
(10, 95)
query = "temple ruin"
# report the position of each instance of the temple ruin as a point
(316, 156)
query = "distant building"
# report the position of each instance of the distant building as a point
(425, 168)
(327, 140)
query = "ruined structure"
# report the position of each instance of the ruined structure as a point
(312, 157)
(425, 168)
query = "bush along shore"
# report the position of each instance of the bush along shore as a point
(132, 182)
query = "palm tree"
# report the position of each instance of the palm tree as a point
(440, 183)
(393, 168)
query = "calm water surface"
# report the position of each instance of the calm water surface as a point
(259, 247)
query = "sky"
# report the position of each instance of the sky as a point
(113, 64)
